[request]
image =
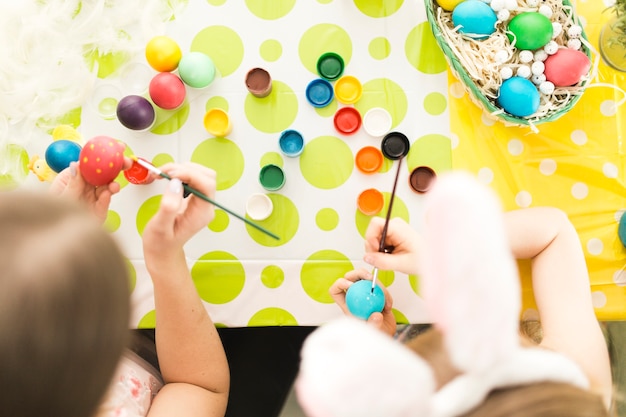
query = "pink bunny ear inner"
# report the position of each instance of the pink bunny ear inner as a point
(350, 369)
(469, 278)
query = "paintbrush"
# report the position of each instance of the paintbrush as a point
(381, 246)
(200, 195)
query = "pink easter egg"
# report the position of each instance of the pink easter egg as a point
(566, 67)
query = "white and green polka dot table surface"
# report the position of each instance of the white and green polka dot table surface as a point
(247, 278)
(575, 163)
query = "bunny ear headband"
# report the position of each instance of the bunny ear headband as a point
(471, 288)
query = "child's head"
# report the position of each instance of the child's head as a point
(64, 307)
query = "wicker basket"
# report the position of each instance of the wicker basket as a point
(488, 105)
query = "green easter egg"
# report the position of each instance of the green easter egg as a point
(530, 30)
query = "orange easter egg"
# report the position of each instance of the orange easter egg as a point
(101, 160)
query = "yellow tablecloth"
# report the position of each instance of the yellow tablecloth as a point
(575, 163)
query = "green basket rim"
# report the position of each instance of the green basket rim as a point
(488, 105)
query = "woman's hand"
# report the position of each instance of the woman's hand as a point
(69, 183)
(403, 238)
(384, 320)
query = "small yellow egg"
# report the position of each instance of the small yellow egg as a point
(163, 54)
(449, 5)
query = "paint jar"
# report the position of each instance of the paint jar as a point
(370, 202)
(395, 145)
(348, 89)
(330, 66)
(217, 122)
(259, 82)
(272, 177)
(291, 143)
(259, 206)
(421, 179)
(369, 159)
(377, 122)
(347, 120)
(319, 93)
(138, 174)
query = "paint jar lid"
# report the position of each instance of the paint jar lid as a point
(422, 178)
(377, 122)
(291, 142)
(370, 202)
(217, 122)
(348, 89)
(395, 145)
(319, 93)
(330, 66)
(272, 177)
(347, 120)
(369, 159)
(259, 206)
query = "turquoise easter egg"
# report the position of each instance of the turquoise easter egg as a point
(475, 19)
(519, 97)
(362, 301)
(621, 230)
(60, 153)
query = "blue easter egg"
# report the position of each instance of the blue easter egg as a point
(362, 302)
(60, 153)
(621, 230)
(476, 19)
(519, 97)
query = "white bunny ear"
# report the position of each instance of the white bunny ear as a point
(349, 369)
(469, 278)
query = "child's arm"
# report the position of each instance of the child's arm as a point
(562, 290)
(191, 355)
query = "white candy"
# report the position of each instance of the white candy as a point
(540, 55)
(574, 31)
(546, 11)
(497, 5)
(523, 71)
(532, 3)
(538, 67)
(510, 5)
(546, 87)
(506, 73)
(557, 28)
(551, 48)
(501, 56)
(537, 79)
(503, 15)
(574, 43)
(525, 56)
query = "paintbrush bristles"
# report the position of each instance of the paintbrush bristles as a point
(147, 166)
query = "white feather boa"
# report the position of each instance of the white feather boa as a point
(43, 44)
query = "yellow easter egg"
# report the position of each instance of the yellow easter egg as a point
(448, 5)
(163, 54)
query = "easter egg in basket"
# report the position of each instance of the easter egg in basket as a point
(530, 30)
(475, 19)
(101, 160)
(519, 97)
(567, 67)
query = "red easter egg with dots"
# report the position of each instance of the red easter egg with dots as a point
(101, 160)
(567, 67)
(167, 90)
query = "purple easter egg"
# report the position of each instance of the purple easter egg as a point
(136, 112)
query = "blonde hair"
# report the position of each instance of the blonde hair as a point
(542, 399)
(64, 307)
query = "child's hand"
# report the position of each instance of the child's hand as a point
(69, 183)
(384, 320)
(403, 238)
(179, 219)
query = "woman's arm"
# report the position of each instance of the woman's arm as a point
(190, 352)
(562, 290)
